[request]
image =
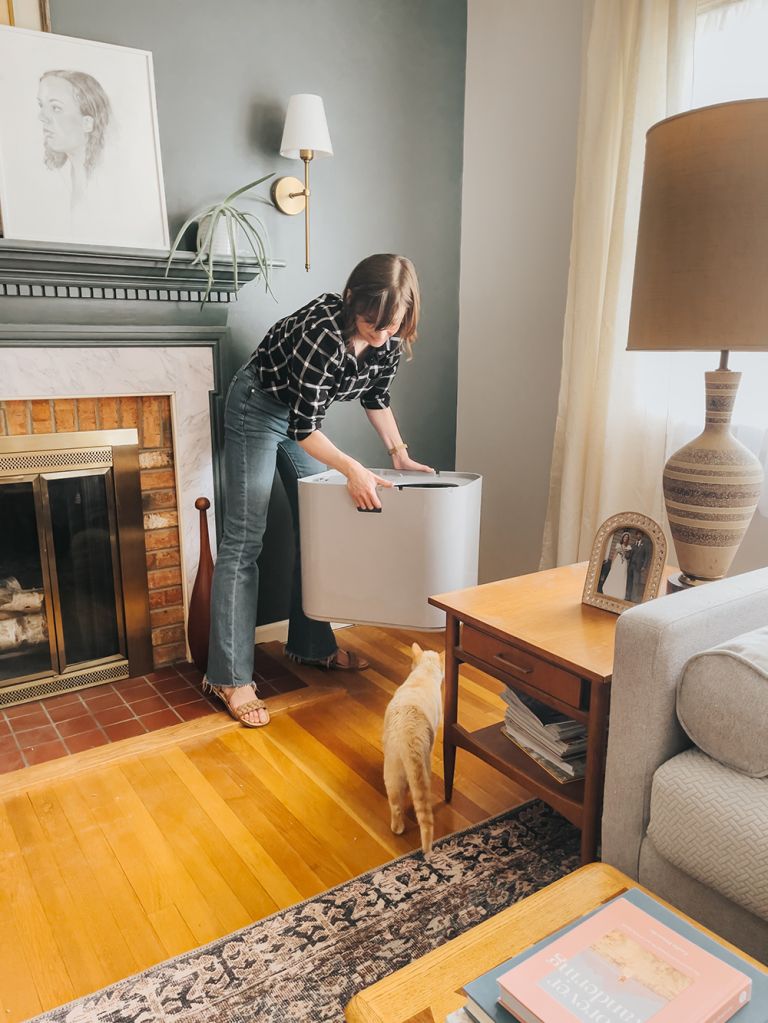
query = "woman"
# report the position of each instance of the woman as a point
(335, 348)
(615, 584)
(75, 113)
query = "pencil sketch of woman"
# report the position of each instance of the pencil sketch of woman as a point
(615, 584)
(75, 113)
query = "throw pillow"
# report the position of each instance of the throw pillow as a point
(722, 702)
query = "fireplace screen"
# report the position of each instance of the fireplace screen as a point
(63, 550)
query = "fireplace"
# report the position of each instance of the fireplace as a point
(74, 607)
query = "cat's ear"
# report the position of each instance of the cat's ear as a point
(417, 652)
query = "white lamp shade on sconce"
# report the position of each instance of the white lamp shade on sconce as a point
(305, 127)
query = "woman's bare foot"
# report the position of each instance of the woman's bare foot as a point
(236, 696)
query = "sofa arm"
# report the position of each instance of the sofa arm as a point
(653, 643)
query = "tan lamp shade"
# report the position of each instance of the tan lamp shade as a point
(701, 272)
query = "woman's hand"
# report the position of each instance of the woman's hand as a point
(362, 483)
(401, 461)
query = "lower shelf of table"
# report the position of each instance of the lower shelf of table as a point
(494, 748)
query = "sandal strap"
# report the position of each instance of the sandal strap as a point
(246, 708)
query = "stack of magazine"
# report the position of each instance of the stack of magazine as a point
(556, 742)
(630, 961)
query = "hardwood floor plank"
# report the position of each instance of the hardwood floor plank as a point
(310, 863)
(266, 869)
(65, 915)
(84, 886)
(116, 889)
(149, 861)
(189, 834)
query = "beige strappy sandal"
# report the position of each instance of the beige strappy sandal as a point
(238, 713)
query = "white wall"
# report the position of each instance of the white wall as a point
(520, 121)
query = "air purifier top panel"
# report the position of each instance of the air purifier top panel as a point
(422, 480)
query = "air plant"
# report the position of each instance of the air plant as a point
(236, 221)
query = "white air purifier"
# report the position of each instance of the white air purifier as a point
(379, 568)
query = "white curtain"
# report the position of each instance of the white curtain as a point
(621, 414)
(609, 446)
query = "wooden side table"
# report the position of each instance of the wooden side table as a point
(533, 634)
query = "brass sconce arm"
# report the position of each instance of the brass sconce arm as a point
(290, 197)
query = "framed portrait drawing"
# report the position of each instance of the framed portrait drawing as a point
(627, 562)
(79, 144)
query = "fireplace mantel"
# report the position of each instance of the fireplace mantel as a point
(45, 270)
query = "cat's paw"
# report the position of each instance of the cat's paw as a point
(397, 825)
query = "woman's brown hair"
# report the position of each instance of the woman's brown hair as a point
(379, 289)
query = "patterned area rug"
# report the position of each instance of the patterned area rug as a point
(303, 964)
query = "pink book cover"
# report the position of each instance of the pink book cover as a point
(624, 966)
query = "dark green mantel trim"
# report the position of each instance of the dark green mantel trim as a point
(45, 270)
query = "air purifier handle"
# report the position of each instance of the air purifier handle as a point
(370, 509)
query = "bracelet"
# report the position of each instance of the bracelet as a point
(396, 448)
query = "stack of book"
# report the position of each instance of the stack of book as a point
(629, 961)
(556, 742)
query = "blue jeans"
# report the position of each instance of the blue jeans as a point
(256, 440)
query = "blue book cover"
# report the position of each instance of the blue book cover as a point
(485, 990)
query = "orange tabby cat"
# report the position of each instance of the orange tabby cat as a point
(410, 724)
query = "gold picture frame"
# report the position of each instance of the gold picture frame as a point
(627, 563)
(34, 14)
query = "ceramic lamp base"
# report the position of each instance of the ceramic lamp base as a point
(711, 488)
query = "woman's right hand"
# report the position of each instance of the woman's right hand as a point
(362, 484)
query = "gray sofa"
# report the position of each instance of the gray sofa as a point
(690, 825)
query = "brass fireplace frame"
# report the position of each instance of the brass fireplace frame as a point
(115, 454)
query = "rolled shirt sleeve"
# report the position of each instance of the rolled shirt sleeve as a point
(377, 395)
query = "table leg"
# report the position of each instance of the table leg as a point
(597, 738)
(450, 714)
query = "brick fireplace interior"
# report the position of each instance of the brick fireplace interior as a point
(151, 417)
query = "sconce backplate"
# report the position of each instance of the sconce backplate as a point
(282, 198)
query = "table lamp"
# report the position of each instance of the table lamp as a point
(701, 284)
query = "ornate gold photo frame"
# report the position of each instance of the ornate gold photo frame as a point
(627, 563)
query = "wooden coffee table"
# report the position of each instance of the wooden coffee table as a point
(429, 988)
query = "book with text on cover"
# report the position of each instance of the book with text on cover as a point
(622, 965)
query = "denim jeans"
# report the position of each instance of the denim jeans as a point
(255, 441)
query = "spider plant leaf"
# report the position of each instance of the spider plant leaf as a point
(246, 188)
(257, 246)
(231, 232)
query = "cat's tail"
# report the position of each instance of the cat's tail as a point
(417, 761)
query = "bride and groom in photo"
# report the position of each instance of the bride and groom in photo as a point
(625, 567)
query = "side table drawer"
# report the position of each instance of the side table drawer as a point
(500, 655)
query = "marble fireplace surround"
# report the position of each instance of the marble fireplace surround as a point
(50, 361)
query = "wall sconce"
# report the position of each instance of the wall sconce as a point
(305, 136)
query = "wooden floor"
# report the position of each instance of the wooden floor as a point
(121, 857)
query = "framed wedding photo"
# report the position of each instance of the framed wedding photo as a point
(79, 142)
(627, 563)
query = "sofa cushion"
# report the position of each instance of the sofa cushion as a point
(712, 823)
(722, 702)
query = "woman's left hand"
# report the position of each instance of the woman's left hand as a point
(406, 464)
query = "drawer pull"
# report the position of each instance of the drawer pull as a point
(511, 664)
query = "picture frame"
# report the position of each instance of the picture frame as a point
(34, 14)
(627, 563)
(80, 159)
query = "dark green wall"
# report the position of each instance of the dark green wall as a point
(391, 73)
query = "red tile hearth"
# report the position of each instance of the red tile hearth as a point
(33, 733)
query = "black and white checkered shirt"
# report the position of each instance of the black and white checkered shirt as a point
(304, 362)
